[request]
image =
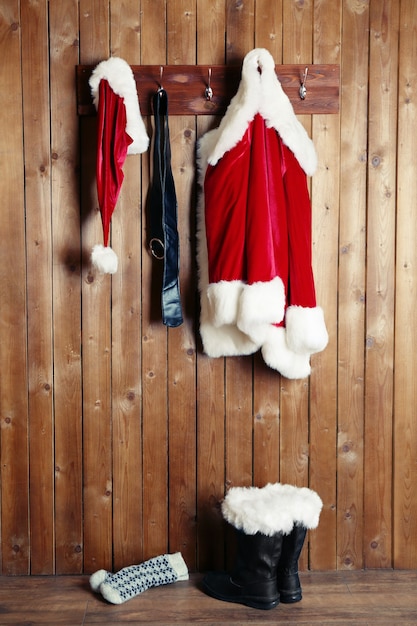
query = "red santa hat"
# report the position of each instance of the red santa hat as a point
(120, 131)
(254, 228)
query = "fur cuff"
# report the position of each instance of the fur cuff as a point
(225, 340)
(280, 357)
(260, 305)
(223, 301)
(305, 329)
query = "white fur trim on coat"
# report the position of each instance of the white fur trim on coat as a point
(261, 304)
(260, 92)
(277, 355)
(120, 78)
(271, 509)
(306, 330)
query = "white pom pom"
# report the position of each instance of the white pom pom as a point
(104, 259)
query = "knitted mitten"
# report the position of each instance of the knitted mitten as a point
(132, 580)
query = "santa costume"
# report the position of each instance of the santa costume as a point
(120, 131)
(254, 228)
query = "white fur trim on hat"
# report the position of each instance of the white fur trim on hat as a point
(120, 78)
(260, 91)
(104, 259)
(258, 510)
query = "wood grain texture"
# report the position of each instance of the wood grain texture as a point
(15, 544)
(384, 24)
(352, 598)
(351, 305)
(35, 80)
(405, 434)
(210, 388)
(186, 85)
(119, 437)
(323, 381)
(67, 261)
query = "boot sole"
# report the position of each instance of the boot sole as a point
(252, 602)
(290, 599)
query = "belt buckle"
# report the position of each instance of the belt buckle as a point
(157, 248)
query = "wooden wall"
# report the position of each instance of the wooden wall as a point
(118, 436)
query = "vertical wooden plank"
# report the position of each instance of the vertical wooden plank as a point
(126, 320)
(13, 309)
(210, 372)
(181, 48)
(294, 400)
(380, 284)
(66, 296)
(96, 323)
(405, 431)
(269, 27)
(351, 318)
(240, 29)
(323, 381)
(35, 67)
(154, 334)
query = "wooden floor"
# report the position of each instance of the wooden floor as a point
(337, 598)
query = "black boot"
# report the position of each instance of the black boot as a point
(253, 581)
(289, 586)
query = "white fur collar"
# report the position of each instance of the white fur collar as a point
(120, 77)
(260, 92)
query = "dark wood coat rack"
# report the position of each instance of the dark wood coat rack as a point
(186, 85)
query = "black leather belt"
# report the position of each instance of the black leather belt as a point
(164, 240)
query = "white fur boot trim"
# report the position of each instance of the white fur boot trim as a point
(254, 509)
(306, 329)
(306, 504)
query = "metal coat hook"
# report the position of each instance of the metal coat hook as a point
(161, 71)
(209, 92)
(303, 88)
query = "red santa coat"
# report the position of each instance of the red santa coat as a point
(254, 229)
